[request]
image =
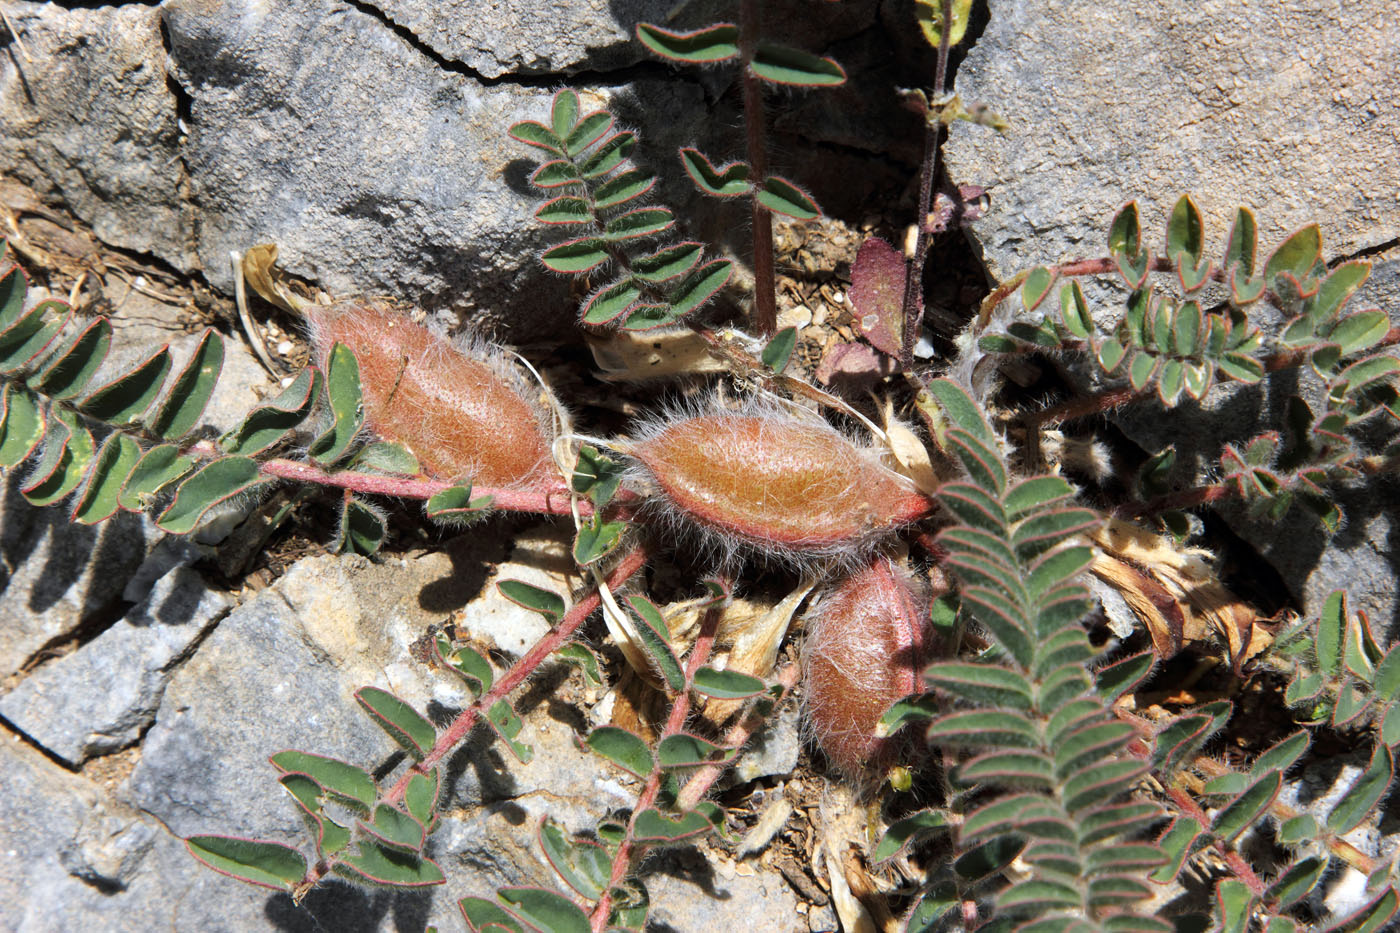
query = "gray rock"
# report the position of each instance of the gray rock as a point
(56, 576)
(1283, 108)
(99, 698)
(694, 893)
(88, 115)
(316, 127)
(775, 750)
(72, 858)
(498, 39)
(1279, 107)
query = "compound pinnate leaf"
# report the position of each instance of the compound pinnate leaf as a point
(1364, 793)
(384, 865)
(565, 209)
(611, 302)
(582, 864)
(597, 539)
(158, 468)
(215, 482)
(534, 133)
(115, 461)
(609, 156)
(546, 911)
(420, 797)
(73, 365)
(725, 182)
(395, 829)
(715, 43)
(1296, 256)
(781, 64)
(783, 197)
(548, 604)
(1240, 813)
(192, 389)
(622, 748)
(403, 723)
(625, 186)
(668, 262)
(68, 452)
(655, 637)
(1185, 232)
(575, 256)
(350, 784)
(127, 397)
(485, 916)
(699, 286)
(1074, 311)
(1036, 286)
(643, 221)
(907, 831)
(779, 350)
(652, 824)
(21, 425)
(503, 718)
(981, 683)
(269, 864)
(346, 407)
(268, 424)
(563, 112)
(584, 659)
(726, 685)
(597, 476)
(682, 750)
(588, 130)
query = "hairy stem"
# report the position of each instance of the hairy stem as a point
(675, 722)
(912, 314)
(460, 727)
(765, 301)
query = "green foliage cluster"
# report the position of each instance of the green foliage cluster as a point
(1061, 809)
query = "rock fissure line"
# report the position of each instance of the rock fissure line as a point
(547, 80)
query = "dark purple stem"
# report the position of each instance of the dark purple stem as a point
(765, 302)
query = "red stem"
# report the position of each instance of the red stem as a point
(912, 312)
(675, 722)
(764, 286)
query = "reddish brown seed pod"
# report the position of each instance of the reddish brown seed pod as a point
(788, 486)
(866, 647)
(461, 408)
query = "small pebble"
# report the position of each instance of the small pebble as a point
(284, 347)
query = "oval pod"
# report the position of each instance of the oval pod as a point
(463, 411)
(790, 487)
(865, 649)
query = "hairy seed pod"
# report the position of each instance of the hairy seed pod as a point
(786, 486)
(463, 410)
(865, 649)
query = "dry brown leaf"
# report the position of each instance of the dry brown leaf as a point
(1175, 593)
(271, 283)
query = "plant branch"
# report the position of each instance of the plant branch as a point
(765, 302)
(675, 722)
(460, 727)
(912, 313)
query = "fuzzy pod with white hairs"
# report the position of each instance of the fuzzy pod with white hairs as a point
(771, 482)
(463, 409)
(867, 644)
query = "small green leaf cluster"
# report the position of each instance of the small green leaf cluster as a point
(1048, 779)
(1181, 349)
(1338, 673)
(602, 197)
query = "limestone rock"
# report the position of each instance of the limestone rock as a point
(99, 698)
(1283, 108)
(89, 116)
